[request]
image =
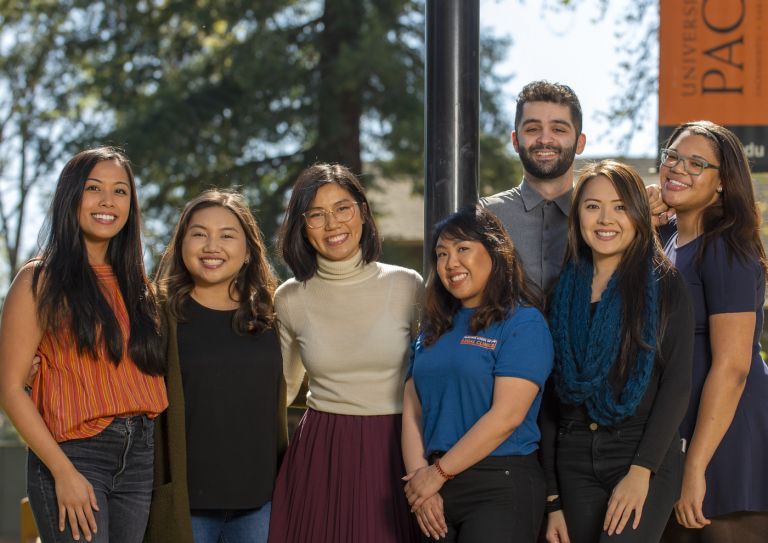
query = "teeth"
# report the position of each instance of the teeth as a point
(335, 239)
(605, 235)
(103, 217)
(676, 183)
(212, 261)
(458, 277)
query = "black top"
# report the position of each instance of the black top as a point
(664, 403)
(231, 385)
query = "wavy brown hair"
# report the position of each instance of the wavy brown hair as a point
(506, 286)
(255, 284)
(734, 216)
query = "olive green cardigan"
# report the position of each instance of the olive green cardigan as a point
(169, 516)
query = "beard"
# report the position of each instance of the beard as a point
(549, 169)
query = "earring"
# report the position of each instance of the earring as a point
(720, 189)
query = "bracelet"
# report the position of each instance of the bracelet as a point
(553, 505)
(444, 475)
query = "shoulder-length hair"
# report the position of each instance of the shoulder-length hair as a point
(734, 216)
(66, 289)
(506, 286)
(644, 248)
(255, 284)
(293, 245)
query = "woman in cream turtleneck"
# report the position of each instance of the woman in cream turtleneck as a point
(347, 320)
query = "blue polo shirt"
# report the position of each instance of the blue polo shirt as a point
(454, 376)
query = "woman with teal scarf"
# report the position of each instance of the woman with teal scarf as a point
(622, 327)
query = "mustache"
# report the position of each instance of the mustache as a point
(545, 148)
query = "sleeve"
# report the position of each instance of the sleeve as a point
(418, 305)
(671, 401)
(549, 415)
(730, 282)
(293, 367)
(526, 349)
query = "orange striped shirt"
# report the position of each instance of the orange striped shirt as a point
(77, 395)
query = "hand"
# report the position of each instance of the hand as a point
(422, 484)
(33, 371)
(557, 531)
(431, 518)
(660, 212)
(628, 496)
(688, 508)
(77, 502)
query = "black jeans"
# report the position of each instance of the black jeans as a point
(118, 463)
(591, 462)
(498, 500)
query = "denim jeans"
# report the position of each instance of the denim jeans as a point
(499, 499)
(224, 526)
(118, 463)
(591, 462)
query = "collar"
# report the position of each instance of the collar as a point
(334, 270)
(532, 198)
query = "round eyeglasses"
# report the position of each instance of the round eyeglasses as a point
(691, 165)
(342, 212)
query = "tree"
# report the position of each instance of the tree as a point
(238, 93)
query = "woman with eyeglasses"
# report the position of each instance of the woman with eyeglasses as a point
(348, 321)
(714, 241)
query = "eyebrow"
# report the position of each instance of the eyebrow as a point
(102, 182)
(555, 121)
(202, 227)
(345, 200)
(599, 200)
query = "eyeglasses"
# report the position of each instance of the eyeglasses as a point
(691, 165)
(317, 217)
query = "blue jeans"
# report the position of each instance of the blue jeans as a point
(226, 526)
(118, 463)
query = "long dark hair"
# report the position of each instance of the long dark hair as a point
(66, 290)
(734, 216)
(633, 268)
(293, 244)
(506, 287)
(255, 284)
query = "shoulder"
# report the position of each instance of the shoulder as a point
(398, 274)
(718, 253)
(287, 293)
(526, 314)
(501, 198)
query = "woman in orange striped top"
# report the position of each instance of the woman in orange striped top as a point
(85, 308)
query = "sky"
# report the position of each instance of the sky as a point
(573, 48)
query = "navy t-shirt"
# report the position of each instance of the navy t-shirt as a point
(454, 377)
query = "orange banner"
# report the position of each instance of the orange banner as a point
(713, 65)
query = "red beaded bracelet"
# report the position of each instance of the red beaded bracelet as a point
(444, 475)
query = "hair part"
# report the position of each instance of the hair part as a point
(506, 286)
(735, 215)
(293, 245)
(556, 93)
(253, 287)
(66, 289)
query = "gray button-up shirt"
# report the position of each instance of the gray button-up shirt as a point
(538, 228)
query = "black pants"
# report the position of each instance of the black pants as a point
(590, 463)
(498, 500)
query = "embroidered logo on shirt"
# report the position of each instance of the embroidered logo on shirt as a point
(479, 341)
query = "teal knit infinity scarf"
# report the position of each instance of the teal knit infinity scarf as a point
(587, 346)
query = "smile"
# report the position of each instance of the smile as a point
(671, 184)
(457, 278)
(212, 262)
(606, 235)
(336, 240)
(104, 218)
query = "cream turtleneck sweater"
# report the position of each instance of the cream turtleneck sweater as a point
(350, 326)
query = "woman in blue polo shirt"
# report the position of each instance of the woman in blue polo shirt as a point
(474, 389)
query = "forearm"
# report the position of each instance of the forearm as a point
(482, 439)
(720, 397)
(412, 439)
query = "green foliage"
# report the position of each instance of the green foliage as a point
(235, 93)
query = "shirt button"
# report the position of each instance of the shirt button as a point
(593, 426)
(506, 472)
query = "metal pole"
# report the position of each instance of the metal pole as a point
(452, 110)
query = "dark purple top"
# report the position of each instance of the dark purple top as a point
(737, 476)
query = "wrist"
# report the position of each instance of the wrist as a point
(639, 471)
(444, 475)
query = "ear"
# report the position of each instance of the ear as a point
(515, 143)
(581, 141)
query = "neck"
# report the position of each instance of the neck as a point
(551, 188)
(214, 296)
(97, 252)
(688, 225)
(604, 266)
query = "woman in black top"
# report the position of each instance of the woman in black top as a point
(623, 330)
(227, 409)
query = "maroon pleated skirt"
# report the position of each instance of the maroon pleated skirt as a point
(340, 483)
